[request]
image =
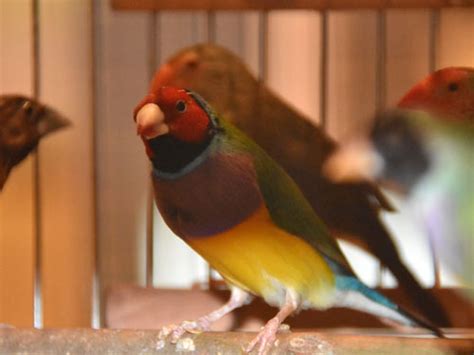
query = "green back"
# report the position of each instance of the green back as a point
(287, 206)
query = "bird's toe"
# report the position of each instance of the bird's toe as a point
(266, 338)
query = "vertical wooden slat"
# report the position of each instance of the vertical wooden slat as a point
(250, 40)
(16, 199)
(297, 76)
(176, 264)
(408, 51)
(240, 32)
(67, 203)
(352, 59)
(122, 45)
(407, 61)
(230, 31)
(456, 33)
(351, 95)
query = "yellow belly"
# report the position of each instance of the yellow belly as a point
(265, 260)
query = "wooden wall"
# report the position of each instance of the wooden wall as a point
(94, 64)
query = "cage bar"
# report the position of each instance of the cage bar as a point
(324, 69)
(433, 50)
(37, 296)
(150, 237)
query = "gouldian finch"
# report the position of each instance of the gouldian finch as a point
(447, 94)
(431, 161)
(23, 122)
(349, 209)
(235, 206)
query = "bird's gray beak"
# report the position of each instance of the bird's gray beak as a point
(50, 121)
(356, 161)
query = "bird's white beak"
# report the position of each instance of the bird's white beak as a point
(151, 121)
(356, 161)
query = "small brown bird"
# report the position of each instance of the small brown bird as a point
(23, 122)
(350, 209)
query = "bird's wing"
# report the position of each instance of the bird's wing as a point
(286, 204)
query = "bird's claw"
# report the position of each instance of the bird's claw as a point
(175, 331)
(166, 330)
(266, 338)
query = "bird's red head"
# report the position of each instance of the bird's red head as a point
(447, 93)
(174, 112)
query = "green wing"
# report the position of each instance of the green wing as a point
(287, 206)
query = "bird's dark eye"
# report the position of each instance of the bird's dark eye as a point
(453, 87)
(181, 106)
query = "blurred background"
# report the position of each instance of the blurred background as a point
(76, 217)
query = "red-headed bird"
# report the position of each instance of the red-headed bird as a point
(23, 122)
(351, 210)
(447, 93)
(235, 206)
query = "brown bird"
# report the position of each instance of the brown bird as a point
(23, 122)
(301, 148)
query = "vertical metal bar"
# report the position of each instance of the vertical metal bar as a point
(263, 46)
(211, 27)
(380, 77)
(150, 240)
(211, 38)
(195, 25)
(380, 84)
(324, 69)
(37, 290)
(435, 18)
(96, 316)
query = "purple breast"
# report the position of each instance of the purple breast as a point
(216, 196)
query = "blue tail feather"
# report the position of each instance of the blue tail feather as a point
(354, 294)
(350, 283)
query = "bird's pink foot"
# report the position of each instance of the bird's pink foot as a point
(198, 326)
(238, 298)
(266, 338)
(176, 331)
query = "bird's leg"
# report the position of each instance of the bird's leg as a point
(267, 335)
(238, 298)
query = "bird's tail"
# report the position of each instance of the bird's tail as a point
(354, 294)
(381, 244)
